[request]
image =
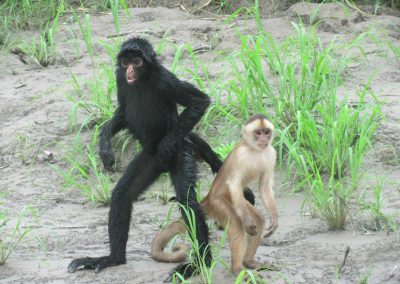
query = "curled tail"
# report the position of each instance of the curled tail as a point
(161, 240)
(271, 229)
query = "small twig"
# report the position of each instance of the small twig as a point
(346, 254)
(20, 86)
(194, 10)
(392, 273)
(130, 32)
(4, 166)
(182, 8)
(118, 35)
(354, 6)
(149, 32)
(57, 228)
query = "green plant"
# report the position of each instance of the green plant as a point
(43, 51)
(9, 241)
(115, 4)
(83, 167)
(97, 103)
(223, 6)
(22, 13)
(199, 260)
(101, 192)
(395, 50)
(162, 195)
(224, 149)
(4, 32)
(371, 200)
(318, 134)
(330, 143)
(86, 30)
(329, 200)
(24, 148)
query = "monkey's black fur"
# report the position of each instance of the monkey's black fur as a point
(148, 108)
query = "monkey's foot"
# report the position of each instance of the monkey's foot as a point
(252, 264)
(260, 266)
(237, 269)
(186, 270)
(96, 263)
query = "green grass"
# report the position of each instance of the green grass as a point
(395, 50)
(22, 14)
(43, 51)
(83, 171)
(9, 240)
(371, 201)
(93, 98)
(322, 139)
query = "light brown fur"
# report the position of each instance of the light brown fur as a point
(252, 159)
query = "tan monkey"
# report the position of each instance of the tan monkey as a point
(252, 159)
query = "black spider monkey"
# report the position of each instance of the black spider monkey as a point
(148, 95)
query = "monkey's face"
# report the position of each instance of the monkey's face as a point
(133, 66)
(258, 132)
(262, 137)
(135, 60)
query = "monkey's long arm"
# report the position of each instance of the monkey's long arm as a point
(108, 130)
(268, 198)
(195, 103)
(239, 203)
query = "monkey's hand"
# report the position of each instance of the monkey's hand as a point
(249, 196)
(108, 158)
(167, 147)
(185, 269)
(251, 230)
(96, 263)
(249, 226)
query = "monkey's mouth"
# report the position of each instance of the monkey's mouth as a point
(263, 145)
(130, 80)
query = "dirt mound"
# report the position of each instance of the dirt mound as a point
(331, 17)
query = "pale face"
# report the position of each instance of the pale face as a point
(259, 133)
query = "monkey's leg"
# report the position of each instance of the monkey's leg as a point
(253, 241)
(183, 174)
(237, 241)
(222, 210)
(140, 173)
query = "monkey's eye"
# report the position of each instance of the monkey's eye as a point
(137, 61)
(267, 131)
(258, 132)
(124, 62)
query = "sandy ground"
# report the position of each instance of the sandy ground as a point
(33, 104)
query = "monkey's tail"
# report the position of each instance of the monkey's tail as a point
(161, 240)
(271, 229)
